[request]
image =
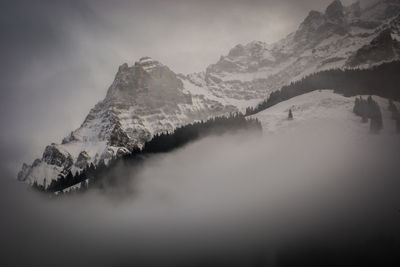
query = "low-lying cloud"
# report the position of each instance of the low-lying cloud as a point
(231, 200)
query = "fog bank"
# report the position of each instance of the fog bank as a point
(231, 200)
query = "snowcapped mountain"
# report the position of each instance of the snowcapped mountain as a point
(148, 98)
(339, 37)
(144, 99)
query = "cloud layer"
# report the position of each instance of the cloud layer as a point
(231, 200)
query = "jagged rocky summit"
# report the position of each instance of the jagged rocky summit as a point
(148, 98)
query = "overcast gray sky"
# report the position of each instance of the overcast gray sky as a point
(59, 57)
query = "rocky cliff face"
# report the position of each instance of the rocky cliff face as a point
(382, 48)
(148, 98)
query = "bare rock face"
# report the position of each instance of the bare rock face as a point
(55, 155)
(335, 12)
(107, 155)
(146, 78)
(118, 137)
(310, 26)
(354, 10)
(83, 160)
(382, 48)
(391, 8)
(23, 173)
(320, 26)
(395, 26)
(121, 152)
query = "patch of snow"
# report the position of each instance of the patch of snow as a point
(321, 105)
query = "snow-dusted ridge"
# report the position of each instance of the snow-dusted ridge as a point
(147, 97)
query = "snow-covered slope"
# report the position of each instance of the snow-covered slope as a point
(322, 107)
(148, 98)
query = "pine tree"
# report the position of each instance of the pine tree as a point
(35, 185)
(396, 118)
(357, 104)
(375, 115)
(360, 109)
(393, 109)
(290, 115)
(83, 186)
(398, 125)
(363, 110)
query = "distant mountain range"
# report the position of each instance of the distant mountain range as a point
(148, 98)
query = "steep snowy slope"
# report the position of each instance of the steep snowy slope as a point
(322, 108)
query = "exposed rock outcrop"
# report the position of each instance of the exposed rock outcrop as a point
(56, 155)
(83, 160)
(382, 48)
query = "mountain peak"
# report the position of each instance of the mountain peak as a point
(148, 64)
(354, 9)
(335, 11)
(335, 5)
(237, 51)
(123, 67)
(312, 17)
(145, 76)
